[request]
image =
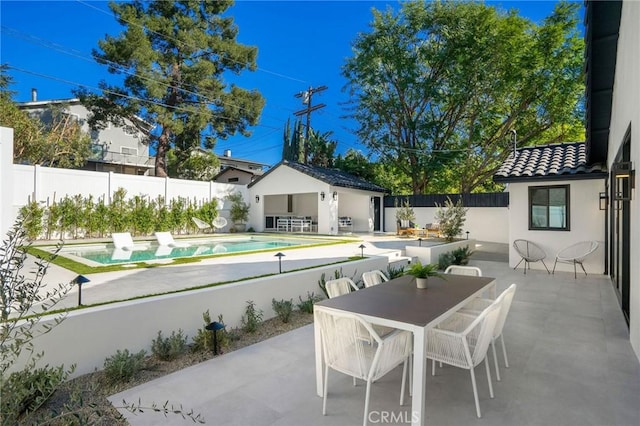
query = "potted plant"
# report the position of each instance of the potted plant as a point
(423, 272)
(239, 211)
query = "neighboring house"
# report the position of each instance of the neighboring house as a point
(237, 175)
(226, 160)
(331, 200)
(114, 149)
(560, 194)
(554, 201)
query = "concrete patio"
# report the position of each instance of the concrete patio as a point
(571, 363)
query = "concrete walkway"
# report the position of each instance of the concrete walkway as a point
(570, 364)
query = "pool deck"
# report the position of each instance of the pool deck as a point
(122, 285)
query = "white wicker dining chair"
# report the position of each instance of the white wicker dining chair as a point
(340, 286)
(463, 270)
(462, 341)
(374, 277)
(345, 351)
(478, 305)
(529, 252)
(576, 254)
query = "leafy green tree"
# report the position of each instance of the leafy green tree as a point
(321, 149)
(355, 163)
(58, 143)
(174, 55)
(440, 85)
(196, 164)
(293, 144)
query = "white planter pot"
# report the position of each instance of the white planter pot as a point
(422, 282)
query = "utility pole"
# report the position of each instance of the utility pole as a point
(306, 96)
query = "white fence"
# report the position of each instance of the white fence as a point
(483, 223)
(87, 337)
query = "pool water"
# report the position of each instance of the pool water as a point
(145, 251)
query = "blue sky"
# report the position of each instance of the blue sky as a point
(300, 44)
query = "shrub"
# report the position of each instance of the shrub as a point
(251, 318)
(170, 347)
(202, 340)
(451, 218)
(459, 256)
(283, 308)
(25, 391)
(394, 272)
(307, 305)
(123, 366)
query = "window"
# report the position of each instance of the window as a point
(128, 151)
(289, 203)
(233, 179)
(549, 207)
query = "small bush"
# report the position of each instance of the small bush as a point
(202, 340)
(123, 366)
(459, 256)
(25, 391)
(251, 318)
(394, 272)
(307, 305)
(445, 260)
(169, 348)
(283, 308)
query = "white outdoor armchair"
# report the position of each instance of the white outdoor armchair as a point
(576, 254)
(478, 305)
(201, 224)
(462, 341)
(219, 223)
(529, 252)
(463, 270)
(345, 351)
(374, 277)
(340, 286)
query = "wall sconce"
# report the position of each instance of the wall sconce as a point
(625, 177)
(604, 200)
(335, 195)
(257, 198)
(322, 196)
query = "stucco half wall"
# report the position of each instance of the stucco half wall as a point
(587, 222)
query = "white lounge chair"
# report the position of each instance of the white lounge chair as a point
(123, 241)
(166, 239)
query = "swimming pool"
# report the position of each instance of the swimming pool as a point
(101, 254)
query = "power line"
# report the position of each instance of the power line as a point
(145, 101)
(307, 97)
(181, 42)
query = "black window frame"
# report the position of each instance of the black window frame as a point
(567, 224)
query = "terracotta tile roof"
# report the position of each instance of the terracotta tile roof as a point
(548, 162)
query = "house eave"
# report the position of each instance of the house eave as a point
(548, 178)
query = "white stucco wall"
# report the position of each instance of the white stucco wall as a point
(7, 214)
(625, 112)
(586, 221)
(101, 331)
(483, 223)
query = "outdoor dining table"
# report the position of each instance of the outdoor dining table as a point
(398, 303)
